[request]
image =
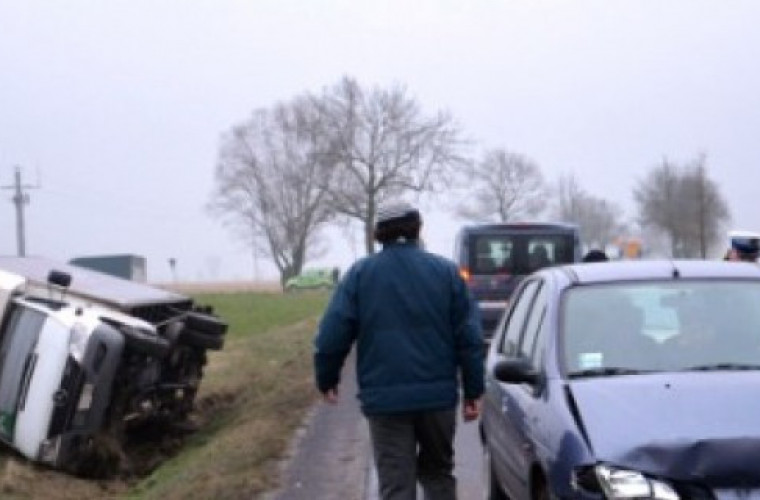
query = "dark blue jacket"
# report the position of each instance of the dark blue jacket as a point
(416, 329)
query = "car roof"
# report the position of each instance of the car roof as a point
(648, 270)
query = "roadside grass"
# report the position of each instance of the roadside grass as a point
(254, 395)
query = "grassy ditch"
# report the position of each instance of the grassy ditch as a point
(254, 395)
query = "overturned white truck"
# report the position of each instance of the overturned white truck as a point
(85, 355)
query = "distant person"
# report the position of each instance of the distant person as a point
(335, 275)
(539, 258)
(743, 249)
(595, 255)
(417, 334)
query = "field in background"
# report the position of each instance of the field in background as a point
(254, 395)
(210, 287)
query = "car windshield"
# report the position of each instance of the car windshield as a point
(18, 342)
(684, 325)
(518, 253)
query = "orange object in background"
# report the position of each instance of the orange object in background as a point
(624, 247)
(632, 248)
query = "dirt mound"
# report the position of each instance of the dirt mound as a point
(149, 445)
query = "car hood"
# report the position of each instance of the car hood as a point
(702, 426)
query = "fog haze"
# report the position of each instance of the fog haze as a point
(114, 110)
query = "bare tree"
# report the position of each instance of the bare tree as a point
(683, 203)
(383, 147)
(503, 186)
(709, 209)
(659, 204)
(270, 183)
(600, 221)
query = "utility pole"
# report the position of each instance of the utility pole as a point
(20, 198)
(173, 266)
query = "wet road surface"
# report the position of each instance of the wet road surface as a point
(331, 456)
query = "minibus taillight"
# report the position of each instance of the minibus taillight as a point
(465, 274)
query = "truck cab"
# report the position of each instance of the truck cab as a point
(80, 365)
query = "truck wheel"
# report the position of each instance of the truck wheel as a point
(201, 339)
(204, 323)
(146, 343)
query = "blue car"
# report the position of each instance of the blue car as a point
(623, 380)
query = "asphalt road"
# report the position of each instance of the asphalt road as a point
(467, 465)
(331, 456)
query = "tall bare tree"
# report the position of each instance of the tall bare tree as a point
(600, 221)
(270, 183)
(683, 203)
(383, 148)
(504, 186)
(710, 210)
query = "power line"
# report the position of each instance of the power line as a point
(20, 198)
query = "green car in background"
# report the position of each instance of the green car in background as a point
(312, 279)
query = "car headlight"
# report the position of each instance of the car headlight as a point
(78, 341)
(619, 484)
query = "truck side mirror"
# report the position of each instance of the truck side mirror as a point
(59, 278)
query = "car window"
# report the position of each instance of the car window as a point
(519, 254)
(529, 345)
(514, 325)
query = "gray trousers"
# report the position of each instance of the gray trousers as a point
(411, 447)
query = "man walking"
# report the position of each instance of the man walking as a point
(417, 335)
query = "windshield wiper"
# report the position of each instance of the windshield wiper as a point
(722, 366)
(606, 371)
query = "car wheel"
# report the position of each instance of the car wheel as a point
(201, 339)
(204, 323)
(145, 343)
(493, 490)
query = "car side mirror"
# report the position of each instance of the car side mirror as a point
(515, 371)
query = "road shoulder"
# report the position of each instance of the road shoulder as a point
(328, 456)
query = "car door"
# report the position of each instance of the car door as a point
(525, 401)
(502, 417)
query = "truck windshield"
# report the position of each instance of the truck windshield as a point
(16, 345)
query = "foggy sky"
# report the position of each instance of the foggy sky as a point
(114, 110)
